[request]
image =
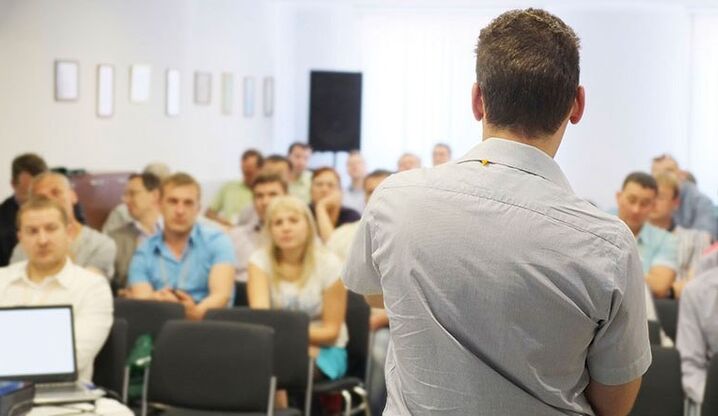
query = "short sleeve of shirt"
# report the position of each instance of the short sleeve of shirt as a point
(360, 274)
(139, 271)
(329, 267)
(221, 249)
(621, 351)
(260, 258)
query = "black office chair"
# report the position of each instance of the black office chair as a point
(654, 332)
(291, 344)
(357, 321)
(709, 406)
(667, 311)
(661, 392)
(145, 316)
(212, 368)
(110, 371)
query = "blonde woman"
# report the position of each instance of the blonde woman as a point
(295, 272)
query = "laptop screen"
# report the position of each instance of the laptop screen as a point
(37, 344)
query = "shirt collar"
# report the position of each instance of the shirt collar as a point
(518, 156)
(64, 277)
(645, 233)
(158, 240)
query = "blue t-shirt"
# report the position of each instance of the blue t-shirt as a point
(154, 263)
(657, 247)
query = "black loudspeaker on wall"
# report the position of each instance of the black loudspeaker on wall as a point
(335, 111)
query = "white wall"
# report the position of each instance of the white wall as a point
(635, 67)
(208, 35)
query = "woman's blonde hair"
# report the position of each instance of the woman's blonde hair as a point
(293, 204)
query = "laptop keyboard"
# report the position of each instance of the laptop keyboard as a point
(59, 388)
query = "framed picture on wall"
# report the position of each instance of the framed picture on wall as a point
(202, 88)
(227, 93)
(140, 79)
(105, 90)
(268, 96)
(67, 80)
(172, 94)
(248, 97)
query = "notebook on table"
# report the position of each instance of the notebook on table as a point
(38, 345)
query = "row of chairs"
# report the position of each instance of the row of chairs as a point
(181, 345)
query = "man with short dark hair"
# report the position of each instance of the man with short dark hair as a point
(657, 248)
(50, 277)
(441, 154)
(24, 168)
(300, 181)
(141, 196)
(234, 196)
(249, 237)
(89, 248)
(506, 293)
(188, 262)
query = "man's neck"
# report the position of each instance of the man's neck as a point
(662, 223)
(296, 175)
(548, 144)
(38, 274)
(176, 241)
(148, 221)
(637, 231)
(357, 183)
(74, 229)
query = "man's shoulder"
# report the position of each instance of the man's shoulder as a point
(12, 271)
(211, 235)
(656, 235)
(703, 286)
(90, 236)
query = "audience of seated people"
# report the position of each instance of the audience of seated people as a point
(89, 248)
(189, 262)
(295, 272)
(48, 276)
(141, 197)
(326, 204)
(300, 177)
(290, 249)
(24, 168)
(235, 196)
(249, 237)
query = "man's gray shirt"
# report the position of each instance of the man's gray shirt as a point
(505, 292)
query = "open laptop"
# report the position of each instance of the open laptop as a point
(38, 345)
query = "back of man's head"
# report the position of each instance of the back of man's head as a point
(527, 66)
(29, 163)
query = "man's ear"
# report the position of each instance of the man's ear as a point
(477, 103)
(579, 104)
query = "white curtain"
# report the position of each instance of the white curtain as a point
(418, 71)
(703, 131)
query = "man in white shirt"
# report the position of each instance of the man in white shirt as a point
(49, 277)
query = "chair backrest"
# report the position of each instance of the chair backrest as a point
(240, 294)
(654, 332)
(291, 340)
(710, 394)
(109, 371)
(212, 365)
(667, 311)
(661, 392)
(145, 316)
(357, 320)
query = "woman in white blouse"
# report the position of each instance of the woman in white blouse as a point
(295, 272)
